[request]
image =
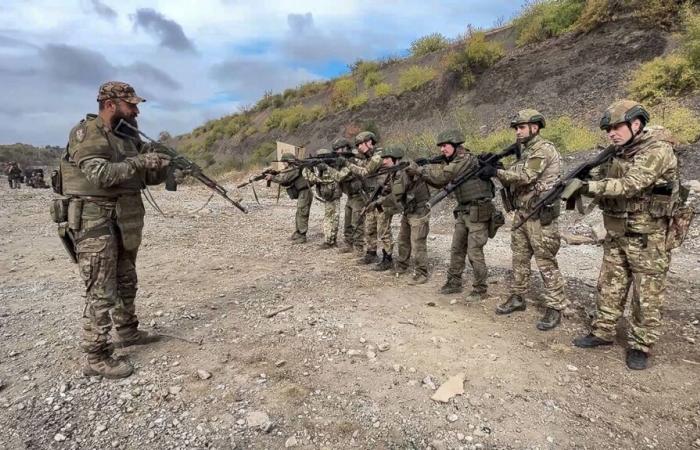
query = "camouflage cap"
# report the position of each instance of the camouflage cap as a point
(364, 137)
(454, 137)
(340, 143)
(323, 151)
(393, 151)
(623, 111)
(120, 90)
(527, 116)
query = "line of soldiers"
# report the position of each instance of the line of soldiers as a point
(638, 190)
(104, 169)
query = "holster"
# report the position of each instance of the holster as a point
(66, 236)
(507, 199)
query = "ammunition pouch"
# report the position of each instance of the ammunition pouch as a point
(59, 210)
(66, 236)
(550, 212)
(615, 225)
(507, 199)
(57, 181)
(293, 192)
(496, 222)
(678, 226)
(481, 211)
(75, 214)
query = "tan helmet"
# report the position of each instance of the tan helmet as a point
(394, 152)
(364, 137)
(527, 116)
(454, 137)
(623, 111)
(323, 151)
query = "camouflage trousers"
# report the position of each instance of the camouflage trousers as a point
(304, 201)
(412, 240)
(109, 273)
(468, 241)
(331, 217)
(639, 262)
(378, 227)
(353, 225)
(542, 241)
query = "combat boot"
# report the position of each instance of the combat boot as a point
(514, 303)
(476, 296)
(417, 279)
(589, 341)
(385, 264)
(294, 236)
(107, 367)
(452, 286)
(636, 359)
(551, 319)
(346, 249)
(326, 246)
(369, 258)
(139, 338)
(300, 239)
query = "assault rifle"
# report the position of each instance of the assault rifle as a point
(513, 149)
(260, 176)
(580, 172)
(178, 161)
(331, 159)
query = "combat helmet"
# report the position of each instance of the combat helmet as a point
(340, 143)
(364, 137)
(527, 116)
(623, 111)
(454, 137)
(287, 157)
(393, 151)
(323, 151)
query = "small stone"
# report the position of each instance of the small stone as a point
(203, 374)
(290, 442)
(371, 355)
(258, 419)
(362, 340)
(690, 340)
(280, 363)
(530, 344)
(460, 437)
(354, 353)
(174, 390)
(452, 418)
(384, 346)
(13, 353)
(159, 313)
(571, 368)
(550, 439)
(100, 428)
(428, 381)
(59, 437)
(453, 301)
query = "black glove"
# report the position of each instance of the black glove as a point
(341, 162)
(487, 172)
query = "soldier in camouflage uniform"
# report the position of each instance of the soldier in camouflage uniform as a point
(102, 173)
(638, 191)
(411, 194)
(538, 169)
(351, 186)
(14, 175)
(328, 191)
(377, 225)
(298, 188)
(472, 215)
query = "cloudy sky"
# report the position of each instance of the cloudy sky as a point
(195, 60)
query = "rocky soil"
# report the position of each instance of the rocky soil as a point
(350, 360)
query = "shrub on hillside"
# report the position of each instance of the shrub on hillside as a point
(682, 122)
(543, 19)
(361, 68)
(372, 79)
(595, 13)
(235, 124)
(343, 91)
(310, 88)
(428, 44)
(382, 89)
(569, 136)
(358, 101)
(263, 154)
(414, 77)
(477, 55)
(289, 119)
(269, 100)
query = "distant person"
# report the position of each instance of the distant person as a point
(103, 173)
(14, 175)
(328, 191)
(299, 189)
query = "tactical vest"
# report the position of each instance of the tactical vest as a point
(659, 200)
(328, 192)
(525, 196)
(351, 187)
(413, 195)
(75, 183)
(473, 189)
(370, 184)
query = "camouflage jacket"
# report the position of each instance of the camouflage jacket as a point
(472, 190)
(363, 167)
(640, 184)
(537, 170)
(326, 187)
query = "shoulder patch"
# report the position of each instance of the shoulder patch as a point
(80, 134)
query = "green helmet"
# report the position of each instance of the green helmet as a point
(340, 143)
(623, 111)
(454, 137)
(287, 157)
(527, 116)
(364, 137)
(323, 151)
(393, 151)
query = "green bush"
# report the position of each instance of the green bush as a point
(569, 136)
(595, 13)
(361, 68)
(428, 44)
(414, 77)
(491, 142)
(543, 19)
(235, 124)
(358, 101)
(269, 100)
(372, 79)
(690, 38)
(310, 88)
(382, 89)
(343, 91)
(477, 55)
(263, 154)
(682, 122)
(289, 119)
(671, 75)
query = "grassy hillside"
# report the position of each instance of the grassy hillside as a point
(568, 58)
(30, 156)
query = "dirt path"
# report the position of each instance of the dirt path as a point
(349, 365)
